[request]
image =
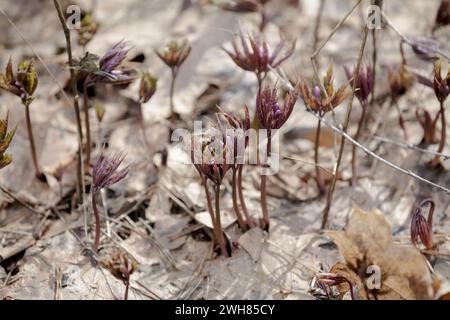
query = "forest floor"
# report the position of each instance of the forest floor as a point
(157, 214)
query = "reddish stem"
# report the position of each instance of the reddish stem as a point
(97, 223)
(319, 180)
(216, 230)
(223, 247)
(38, 172)
(242, 198)
(443, 134)
(239, 217)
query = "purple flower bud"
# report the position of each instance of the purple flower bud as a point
(317, 93)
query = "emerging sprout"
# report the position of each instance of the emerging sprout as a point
(121, 265)
(174, 55)
(105, 173)
(210, 155)
(420, 228)
(23, 84)
(326, 280)
(441, 84)
(239, 128)
(102, 70)
(256, 56)
(5, 140)
(441, 87)
(321, 101)
(271, 117)
(147, 89)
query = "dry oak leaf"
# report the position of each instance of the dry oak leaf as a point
(367, 241)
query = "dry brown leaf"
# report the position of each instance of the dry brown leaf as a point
(367, 241)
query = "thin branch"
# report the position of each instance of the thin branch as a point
(335, 29)
(412, 147)
(317, 24)
(22, 203)
(346, 123)
(407, 40)
(80, 168)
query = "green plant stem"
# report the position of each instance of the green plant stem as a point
(239, 217)
(223, 247)
(356, 137)
(87, 125)
(443, 134)
(242, 198)
(37, 171)
(97, 223)
(319, 180)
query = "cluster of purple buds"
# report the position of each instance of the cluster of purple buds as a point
(270, 114)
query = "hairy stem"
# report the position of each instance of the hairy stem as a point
(223, 247)
(443, 134)
(319, 180)
(239, 217)
(97, 223)
(242, 198)
(356, 137)
(37, 171)
(86, 121)
(73, 83)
